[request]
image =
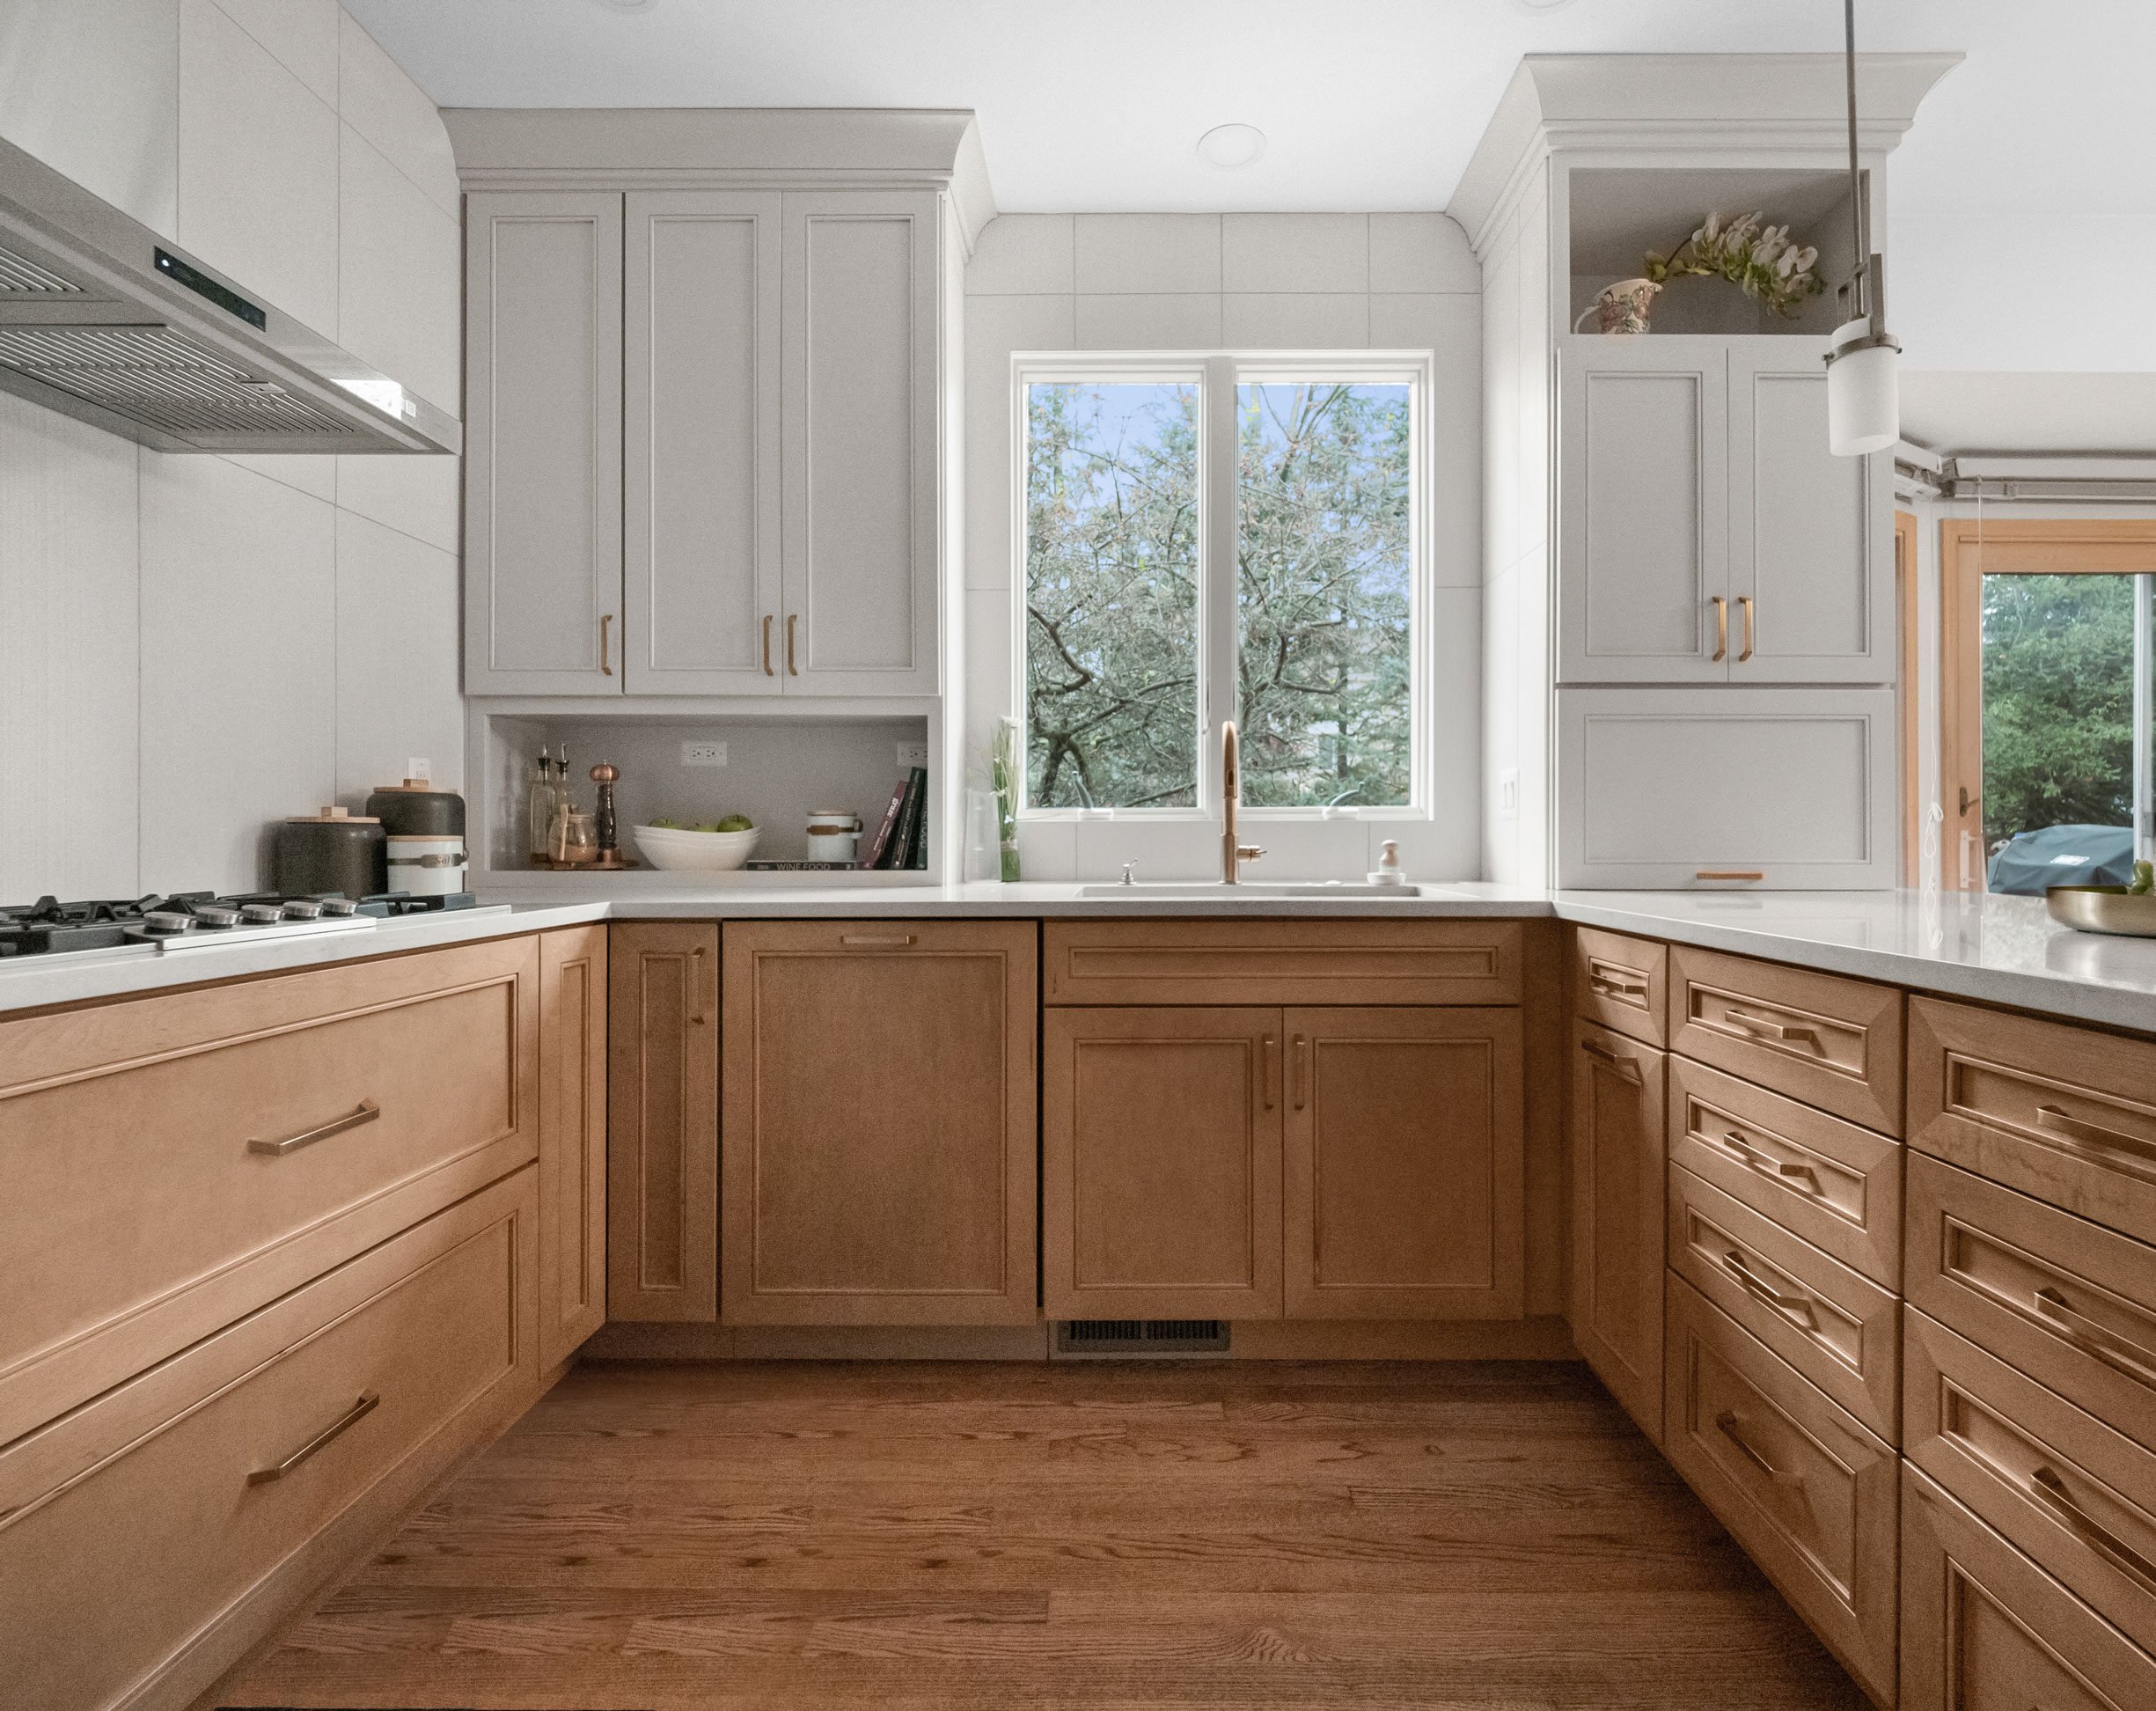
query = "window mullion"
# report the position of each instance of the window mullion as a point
(1218, 465)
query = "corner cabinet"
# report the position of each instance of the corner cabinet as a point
(705, 430)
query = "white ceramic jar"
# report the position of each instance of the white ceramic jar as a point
(426, 866)
(834, 833)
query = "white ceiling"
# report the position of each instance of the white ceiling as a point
(1366, 104)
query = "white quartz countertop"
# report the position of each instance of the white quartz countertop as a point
(2001, 950)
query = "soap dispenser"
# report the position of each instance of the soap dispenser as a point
(1388, 871)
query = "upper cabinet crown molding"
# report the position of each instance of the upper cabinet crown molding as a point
(766, 148)
(1707, 108)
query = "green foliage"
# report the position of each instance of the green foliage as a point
(2058, 702)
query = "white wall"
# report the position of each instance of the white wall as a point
(195, 647)
(1243, 282)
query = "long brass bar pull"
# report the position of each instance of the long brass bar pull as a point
(1721, 628)
(872, 942)
(605, 619)
(698, 1015)
(1267, 1072)
(1745, 653)
(1727, 1423)
(2050, 1490)
(1802, 1176)
(2120, 1354)
(792, 670)
(367, 1112)
(768, 670)
(1795, 1307)
(1611, 984)
(1624, 1066)
(1301, 1060)
(369, 1401)
(1760, 1028)
(2077, 1128)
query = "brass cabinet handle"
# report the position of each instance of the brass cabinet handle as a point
(2077, 1128)
(699, 1017)
(1801, 1177)
(2050, 1490)
(792, 670)
(1727, 1423)
(1267, 1070)
(367, 1112)
(1745, 600)
(768, 670)
(1721, 627)
(869, 940)
(1760, 1028)
(1625, 1067)
(1300, 1060)
(1610, 985)
(2120, 1354)
(605, 618)
(1796, 1307)
(1729, 873)
(369, 1401)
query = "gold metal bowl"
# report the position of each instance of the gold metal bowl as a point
(2102, 909)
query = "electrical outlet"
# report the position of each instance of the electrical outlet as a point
(912, 755)
(696, 752)
(417, 766)
(1508, 793)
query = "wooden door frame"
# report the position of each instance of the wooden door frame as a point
(1967, 549)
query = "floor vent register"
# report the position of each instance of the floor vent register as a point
(1162, 1337)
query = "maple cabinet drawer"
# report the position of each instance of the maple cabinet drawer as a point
(1621, 982)
(1832, 1043)
(2063, 1487)
(242, 1139)
(2067, 1114)
(2066, 1301)
(1985, 1629)
(1282, 962)
(132, 1529)
(1806, 1489)
(1835, 1185)
(1834, 1325)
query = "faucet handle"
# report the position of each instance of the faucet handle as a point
(1130, 873)
(1247, 852)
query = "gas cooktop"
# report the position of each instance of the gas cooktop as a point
(187, 919)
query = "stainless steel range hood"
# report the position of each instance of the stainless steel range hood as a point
(103, 319)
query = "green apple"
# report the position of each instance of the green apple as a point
(736, 823)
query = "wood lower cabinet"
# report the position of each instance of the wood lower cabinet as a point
(663, 1120)
(879, 1109)
(572, 1139)
(1618, 1219)
(1404, 1160)
(1161, 1158)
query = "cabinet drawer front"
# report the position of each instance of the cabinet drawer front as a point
(1621, 982)
(1282, 962)
(1807, 1492)
(2063, 1487)
(1832, 1043)
(147, 1515)
(2067, 1302)
(1836, 1326)
(1837, 1185)
(1985, 1629)
(2066, 1115)
(249, 1136)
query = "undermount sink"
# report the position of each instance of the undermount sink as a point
(1253, 890)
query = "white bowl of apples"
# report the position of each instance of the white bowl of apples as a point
(709, 847)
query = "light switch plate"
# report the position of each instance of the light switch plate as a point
(913, 754)
(1508, 793)
(696, 753)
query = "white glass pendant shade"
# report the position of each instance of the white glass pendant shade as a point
(1864, 394)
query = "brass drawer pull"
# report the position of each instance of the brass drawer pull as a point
(1624, 1067)
(1721, 627)
(698, 1016)
(1799, 1308)
(768, 670)
(1267, 1073)
(605, 622)
(1730, 873)
(1612, 985)
(1760, 1028)
(792, 670)
(369, 1401)
(1301, 1061)
(1745, 600)
(2077, 1129)
(367, 1112)
(1727, 1423)
(2050, 1490)
(2120, 1354)
(1802, 1178)
(872, 942)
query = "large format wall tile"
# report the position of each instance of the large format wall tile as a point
(301, 33)
(1295, 252)
(397, 656)
(401, 304)
(91, 88)
(377, 99)
(1023, 255)
(1123, 253)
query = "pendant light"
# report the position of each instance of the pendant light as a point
(1864, 403)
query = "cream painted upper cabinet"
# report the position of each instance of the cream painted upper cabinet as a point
(863, 321)
(543, 445)
(701, 442)
(1706, 534)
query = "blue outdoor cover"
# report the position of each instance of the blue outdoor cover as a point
(2063, 855)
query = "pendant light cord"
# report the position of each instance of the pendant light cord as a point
(1860, 280)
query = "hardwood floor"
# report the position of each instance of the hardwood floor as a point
(1478, 1536)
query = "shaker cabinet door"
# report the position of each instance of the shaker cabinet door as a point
(542, 475)
(699, 443)
(572, 1139)
(1811, 557)
(862, 332)
(1617, 1220)
(1643, 559)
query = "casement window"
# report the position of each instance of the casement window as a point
(1209, 537)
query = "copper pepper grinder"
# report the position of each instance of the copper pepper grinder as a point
(610, 849)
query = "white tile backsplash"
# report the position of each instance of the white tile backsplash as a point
(1295, 321)
(1023, 255)
(1295, 252)
(381, 103)
(1148, 253)
(417, 496)
(93, 91)
(1150, 322)
(401, 304)
(301, 33)
(397, 660)
(1421, 253)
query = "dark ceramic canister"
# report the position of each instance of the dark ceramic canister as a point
(335, 850)
(415, 809)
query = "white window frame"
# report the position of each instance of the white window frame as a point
(1218, 373)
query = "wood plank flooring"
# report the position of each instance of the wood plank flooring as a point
(1474, 1536)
